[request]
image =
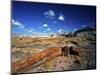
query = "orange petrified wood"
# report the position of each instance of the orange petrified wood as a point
(48, 53)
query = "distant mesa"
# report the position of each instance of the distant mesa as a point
(87, 32)
(83, 32)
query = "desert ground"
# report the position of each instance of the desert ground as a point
(83, 57)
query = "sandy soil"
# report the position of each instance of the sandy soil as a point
(25, 47)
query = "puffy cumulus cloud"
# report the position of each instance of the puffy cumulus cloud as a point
(17, 23)
(52, 15)
(60, 30)
(61, 17)
(45, 25)
(48, 29)
(49, 14)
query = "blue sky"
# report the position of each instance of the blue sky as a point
(42, 18)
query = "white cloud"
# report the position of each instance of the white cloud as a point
(49, 14)
(45, 25)
(60, 30)
(29, 30)
(45, 31)
(61, 17)
(75, 29)
(48, 29)
(17, 23)
(12, 20)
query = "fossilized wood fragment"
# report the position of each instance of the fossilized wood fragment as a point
(48, 53)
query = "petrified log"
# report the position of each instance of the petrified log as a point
(48, 53)
(70, 50)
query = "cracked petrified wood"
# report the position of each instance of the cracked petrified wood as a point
(48, 53)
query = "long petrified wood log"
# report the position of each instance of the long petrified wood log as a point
(48, 53)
